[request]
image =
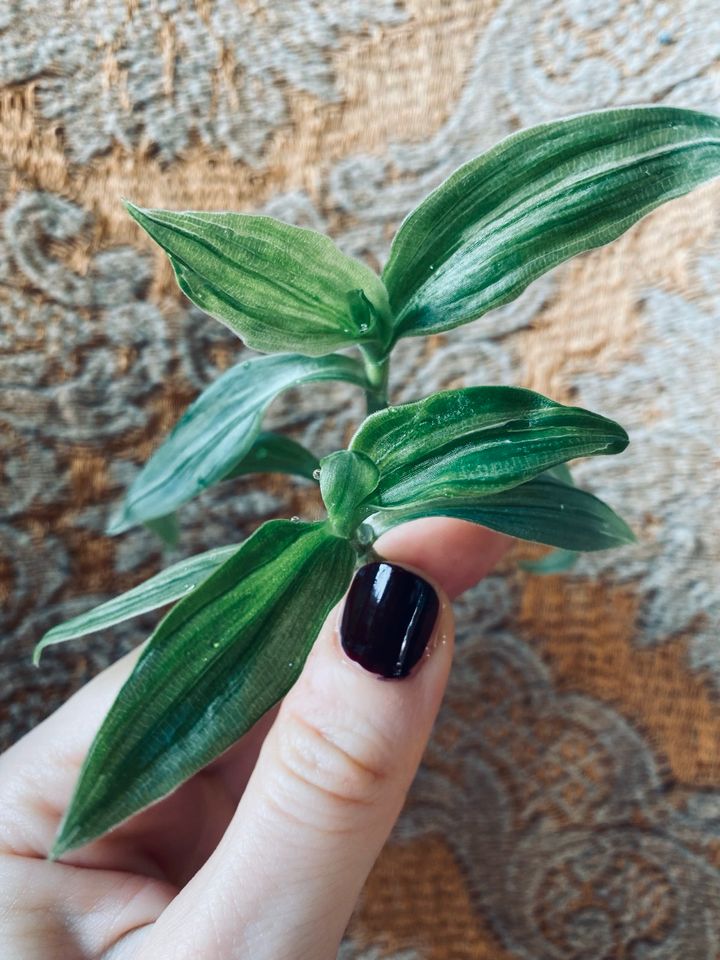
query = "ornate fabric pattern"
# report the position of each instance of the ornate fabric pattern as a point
(569, 805)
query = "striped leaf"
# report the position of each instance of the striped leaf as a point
(218, 430)
(279, 287)
(168, 585)
(475, 442)
(217, 662)
(543, 510)
(538, 198)
(275, 453)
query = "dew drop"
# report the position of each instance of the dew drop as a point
(291, 663)
(216, 644)
(316, 473)
(294, 519)
(365, 534)
(245, 365)
(364, 327)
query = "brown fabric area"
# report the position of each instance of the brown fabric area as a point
(424, 874)
(585, 633)
(569, 806)
(594, 321)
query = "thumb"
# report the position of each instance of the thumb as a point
(329, 784)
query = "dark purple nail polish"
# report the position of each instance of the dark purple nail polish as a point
(388, 619)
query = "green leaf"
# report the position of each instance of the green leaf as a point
(543, 510)
(167, 528)
(346, 479)
(218, 429)
(277, 286)
(217, 662)
(275, 453)
(474, 442)
(561, 471)
(536, 199)
(269, 453)
(168, 585)
(557, 561)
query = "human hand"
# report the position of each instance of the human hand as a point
(264, 853)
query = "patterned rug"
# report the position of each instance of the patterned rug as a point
(569, 805)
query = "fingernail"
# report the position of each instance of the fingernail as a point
(388, 619)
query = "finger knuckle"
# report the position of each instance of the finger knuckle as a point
(326, 769)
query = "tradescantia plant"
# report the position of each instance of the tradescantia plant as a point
(247, 614)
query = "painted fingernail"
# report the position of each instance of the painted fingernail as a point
(388, 619)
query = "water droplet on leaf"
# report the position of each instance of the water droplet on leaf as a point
(316, 473)
(294, 519)
(365, 534)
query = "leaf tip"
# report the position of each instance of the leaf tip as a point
(141, 215)
(59, 847)
(70, 833)
(630, 536)
(118, 523)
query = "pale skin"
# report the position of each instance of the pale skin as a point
(264, 853)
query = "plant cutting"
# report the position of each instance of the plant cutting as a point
(246, 615)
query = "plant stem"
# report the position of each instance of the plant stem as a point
(377, 370)
(364, 547)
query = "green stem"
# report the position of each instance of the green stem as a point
(377, 371)
(364, 549)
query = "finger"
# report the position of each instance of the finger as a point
(50, 910)
(38, 773)
(330, 782)
(454, 553)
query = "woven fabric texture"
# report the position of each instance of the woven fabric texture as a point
(569, 805)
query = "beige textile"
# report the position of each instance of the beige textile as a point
(569, 806)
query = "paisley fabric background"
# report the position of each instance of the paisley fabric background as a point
(569, 806)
